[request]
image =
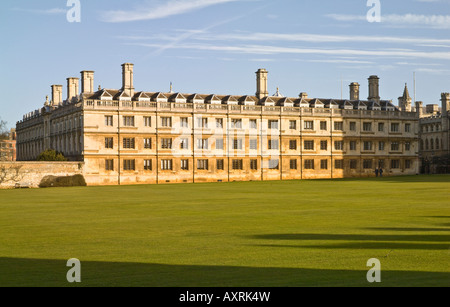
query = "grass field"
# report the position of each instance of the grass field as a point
(274, 234)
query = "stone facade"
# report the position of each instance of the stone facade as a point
(128, 137)
(435, 138)
(30, 174)
(8, 147)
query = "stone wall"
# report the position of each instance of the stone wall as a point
(30, 174)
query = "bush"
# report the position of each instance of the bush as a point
(68, 181)
(51, 155)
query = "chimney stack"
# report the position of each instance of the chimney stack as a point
(72, 88)
(374, 88)
(419, 109)
(303, 95)
(56, 95)
(127, 79)
(87, 81)
(354, 91)
(445, 99)
(261, 83)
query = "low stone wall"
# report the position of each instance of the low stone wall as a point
(30, 174)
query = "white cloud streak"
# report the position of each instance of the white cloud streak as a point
(159, 11)
(52, 11)
(203, 35)
(277, 50)
(405, 20)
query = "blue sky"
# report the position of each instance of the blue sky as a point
(216, 46)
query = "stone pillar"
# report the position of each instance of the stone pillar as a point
(354, 91)
(72, 88)
(261, 84)
(419, 109)
(87, 81)
(56, 95)
(374, 88)
(445, 98)
(127, 79)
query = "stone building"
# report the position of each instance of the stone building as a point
(126, 136)
(8, 147)
(435, 137)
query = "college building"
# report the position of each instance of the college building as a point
(8, 147)
(125, 136)
(435, 137)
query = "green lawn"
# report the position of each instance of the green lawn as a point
(291, 233)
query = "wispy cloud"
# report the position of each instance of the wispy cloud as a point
(429, 1)
(340, 61)
(191, 33)
(433, 71)
(160, 10)
(50, 11)
(432, 21)
(204, 35)
(405, 20)
(278, 50)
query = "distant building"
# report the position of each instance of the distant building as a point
(435, 137)
(8, 147)
(129, 137)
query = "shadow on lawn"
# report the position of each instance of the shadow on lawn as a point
(46, 273)
(405, 229)
(362, 241)
(368, 241)
(400, 179)
(353, 237)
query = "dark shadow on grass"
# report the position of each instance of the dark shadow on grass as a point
(387, 246)
(353, 237)
(399, 179)
(45, 273)
(405, 229)
(359, 241)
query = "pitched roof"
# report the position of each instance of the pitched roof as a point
(285, 102)
(196, 98)
(268, 101)
(316, 103)
(248, 100)
(332, 104)
(159, 96)
(141, 96)
(213, 99)
(347, 105)
(176, 97)
(122, 95)
(406, 92)
(230, 98)
(109, 94)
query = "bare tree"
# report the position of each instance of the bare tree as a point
(10, 174)
(4, 134)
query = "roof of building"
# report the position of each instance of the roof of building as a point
(246, 99)
(406, 93)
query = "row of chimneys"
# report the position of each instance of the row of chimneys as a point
(87, 85)
(374, 87)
